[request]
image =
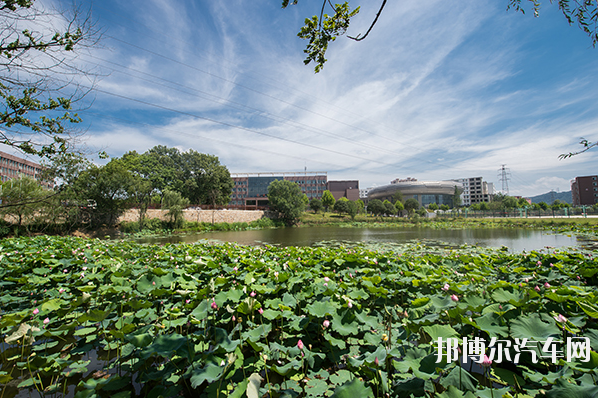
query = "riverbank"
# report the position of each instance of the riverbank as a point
(572, 224)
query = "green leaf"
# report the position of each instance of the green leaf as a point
(52, 305)
(165, 345)
(316, 388)
(443, 331)
(490, 323)
(340, 377)
(451, 392)
(239, 389)
(533, 328)
(589, 309)
(321, 308)
(352, 389)
(460, 378)
(201, 311)
(564, 388)
(419, 302)
(209, 373)
(85, 331)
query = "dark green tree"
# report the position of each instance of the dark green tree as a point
(328, 200)
(206, 180)
(359, 206)
(286, 198)
(175, 204)
(22, 198)
(375, 206)
(106, 187)
(509, 202)
(397, 196)
(411, 205)
(143, 168)
(522, 203)
(342, 205)
(433, 206)
(456, 199)
(353, 209)
(398, 207)
(389, 208)
(316, 205)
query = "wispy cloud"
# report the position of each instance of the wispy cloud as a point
(435, 92)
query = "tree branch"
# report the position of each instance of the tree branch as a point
(359, 37)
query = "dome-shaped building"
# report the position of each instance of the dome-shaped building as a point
(426, 192)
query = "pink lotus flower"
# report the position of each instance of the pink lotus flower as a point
(560, 318)
(253, 294)
(547, 285)
(233, 318)
(326, 284)
(445, 287)
(61, 290)
(235, 269)
(486, 361)
(454, 298)
(326, 279)
(213, 305)
(261, 311)
(300, 345)
(46, 321)
(36, 311)
(376, 361)
(538, 289)
(349, 304)
(326, 323)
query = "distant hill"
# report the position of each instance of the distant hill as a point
(549, 197)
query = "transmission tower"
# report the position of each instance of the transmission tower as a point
(504, 175)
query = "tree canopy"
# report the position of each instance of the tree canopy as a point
(322, 29)
(328, 200)
(37, 75)
(286, 197)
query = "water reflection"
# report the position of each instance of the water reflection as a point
(516, 240)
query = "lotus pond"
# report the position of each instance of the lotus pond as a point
(98, 318)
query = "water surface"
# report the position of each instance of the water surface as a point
(514, 239)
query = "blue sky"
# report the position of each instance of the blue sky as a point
(439, 90)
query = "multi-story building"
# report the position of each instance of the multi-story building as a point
(12, 167)
(584, 190)
(364, 192)
(475, 191)
(250, 190)
(345, 189)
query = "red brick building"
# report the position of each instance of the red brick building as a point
(12, 167)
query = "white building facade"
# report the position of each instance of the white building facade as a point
(476, 191)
